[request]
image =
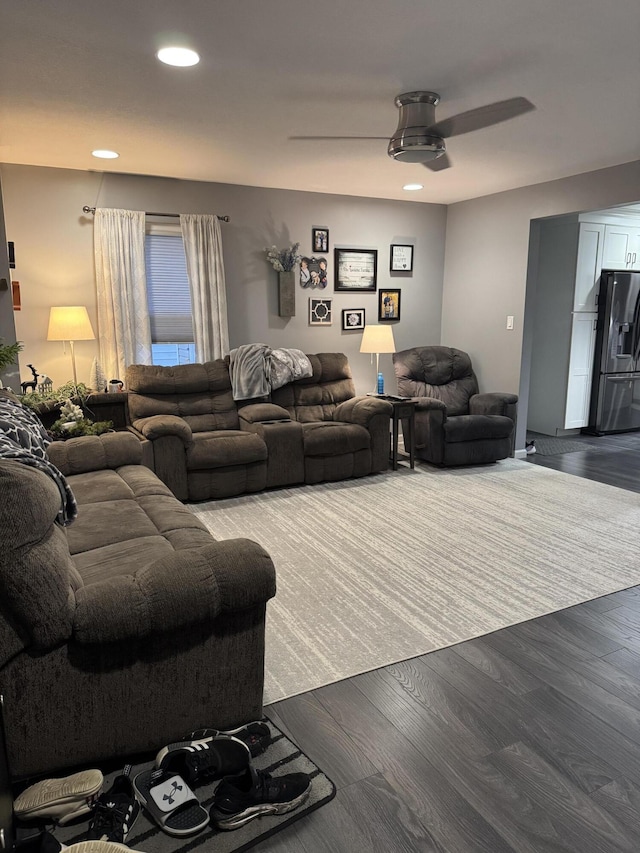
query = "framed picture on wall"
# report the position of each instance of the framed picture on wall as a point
(320, 312)
(313, 272)
(352, 319)
(401, 259)
(356, 269)
(388, 305)
(320, 239)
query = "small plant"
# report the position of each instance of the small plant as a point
(58, 395)
(64, 428)
(72, 423)
(283, 260)
(9, 353)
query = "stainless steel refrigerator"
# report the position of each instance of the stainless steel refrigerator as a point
(615, 392)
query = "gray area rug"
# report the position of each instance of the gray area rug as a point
(282, 756)
(388, 567)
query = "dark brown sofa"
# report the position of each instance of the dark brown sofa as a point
(129, 627)
(308, 431)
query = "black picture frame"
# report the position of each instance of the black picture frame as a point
(388, 305)
(313, 273)
(320, 240)
(353, 319)
(401, 257)
(355, 270)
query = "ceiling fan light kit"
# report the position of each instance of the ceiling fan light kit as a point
(413, 140)
(420, 139)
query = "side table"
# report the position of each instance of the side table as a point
(404, 409)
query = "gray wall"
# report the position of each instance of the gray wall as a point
(486, 261)
(43, 210)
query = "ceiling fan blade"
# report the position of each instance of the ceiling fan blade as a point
(481, 117)
(342, 138)
(439, 163)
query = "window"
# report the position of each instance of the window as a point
(169, 296)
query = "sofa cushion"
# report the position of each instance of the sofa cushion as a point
(106, 522)
(334, 438)
(477, 427)
(224, 448)
(199, 393)
(315, 398)
(124, 557)
(128, 519)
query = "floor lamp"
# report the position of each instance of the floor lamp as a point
(70, 323)
(378, 339)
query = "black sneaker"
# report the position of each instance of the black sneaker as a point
(256, 735)
(239, 799)
(115, 811)
(204, 759)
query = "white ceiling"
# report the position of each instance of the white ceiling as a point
(76, 75)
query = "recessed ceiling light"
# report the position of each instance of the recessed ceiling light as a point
(105, 154)
(411, 187)
(180, 56)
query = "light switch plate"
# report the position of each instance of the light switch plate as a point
(509, 322)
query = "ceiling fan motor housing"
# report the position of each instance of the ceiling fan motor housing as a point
(413, 140)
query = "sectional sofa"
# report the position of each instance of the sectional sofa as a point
(205, 445)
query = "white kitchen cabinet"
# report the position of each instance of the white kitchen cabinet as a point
(621, 247)
(589, 262)
(583, 338)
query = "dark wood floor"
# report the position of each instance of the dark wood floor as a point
(527, 739)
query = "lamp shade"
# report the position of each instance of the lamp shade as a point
(70, 323)
(377, 339)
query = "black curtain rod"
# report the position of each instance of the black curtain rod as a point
(87, 209)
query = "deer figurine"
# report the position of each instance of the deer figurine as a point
(33, 383)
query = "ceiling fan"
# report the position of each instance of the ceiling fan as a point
(420, 139)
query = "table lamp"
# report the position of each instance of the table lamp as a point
(70, 323)
(378, 339)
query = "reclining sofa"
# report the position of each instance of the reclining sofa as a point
(207, 446)
(130, 626)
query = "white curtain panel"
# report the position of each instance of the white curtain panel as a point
(124, 331)
(205, 268)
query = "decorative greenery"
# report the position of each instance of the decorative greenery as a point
(72, 423)
(283, 260)
(58, 395)
(66, 428)
(9, 353)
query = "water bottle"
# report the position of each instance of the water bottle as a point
(380, 384)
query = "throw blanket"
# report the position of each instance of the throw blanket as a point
(256, 369)
(24, 439)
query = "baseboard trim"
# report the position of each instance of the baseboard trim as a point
(520, 454)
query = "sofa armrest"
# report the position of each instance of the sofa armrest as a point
(159, 425)
(95, 452)
(263, 413)
(188, 587)
(493, 404)
(360, 410)
(430, 404)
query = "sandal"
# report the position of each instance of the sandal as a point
(170, 802)
(60, 800)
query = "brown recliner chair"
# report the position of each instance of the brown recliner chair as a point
(454, 424)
